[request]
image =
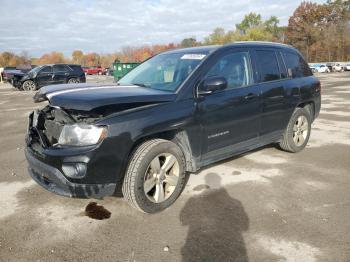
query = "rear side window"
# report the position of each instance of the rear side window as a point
(60, 68)
(296, 65)
(268, 65)
(235, 68)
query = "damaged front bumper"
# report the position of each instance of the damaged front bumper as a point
(54, 181)
(71, 172)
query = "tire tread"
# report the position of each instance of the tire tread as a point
(285, 142)
(128, 188)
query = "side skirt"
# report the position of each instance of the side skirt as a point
(239, 148)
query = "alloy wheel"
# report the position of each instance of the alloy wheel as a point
(161, 177)
(73, 81)
(29, 86)
(300, 130)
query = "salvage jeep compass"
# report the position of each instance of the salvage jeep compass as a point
(173, 114)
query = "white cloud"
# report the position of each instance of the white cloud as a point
(40, 26)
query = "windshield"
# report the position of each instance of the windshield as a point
(164, 72)
(35, 70)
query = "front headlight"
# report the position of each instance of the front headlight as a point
(82, 135)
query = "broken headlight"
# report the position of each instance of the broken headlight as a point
(82, 135)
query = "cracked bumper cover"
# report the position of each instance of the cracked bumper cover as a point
(54, 181)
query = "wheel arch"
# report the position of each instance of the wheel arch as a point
(179, 137)
(310, 107)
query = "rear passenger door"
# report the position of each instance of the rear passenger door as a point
(60, 74)
(272, 77)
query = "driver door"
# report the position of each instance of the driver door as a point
(230, 118)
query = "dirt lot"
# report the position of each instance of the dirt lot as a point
(267, 205)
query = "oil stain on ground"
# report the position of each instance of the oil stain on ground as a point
(95, 211)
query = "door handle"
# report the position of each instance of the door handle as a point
(250, 96)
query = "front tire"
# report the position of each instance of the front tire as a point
(297, 132)
(29, 85)
(155, 176)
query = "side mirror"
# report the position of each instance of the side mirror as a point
(211, 85)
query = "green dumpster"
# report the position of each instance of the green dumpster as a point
(121, 69)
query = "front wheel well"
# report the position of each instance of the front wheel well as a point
(178, 137)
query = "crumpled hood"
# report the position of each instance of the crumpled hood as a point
(87, 97)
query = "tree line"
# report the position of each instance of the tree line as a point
(320, 31)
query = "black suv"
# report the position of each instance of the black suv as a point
(173, 114)
(49, 75)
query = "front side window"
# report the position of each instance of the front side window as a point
(235, 68)
(281, 65)
(164, 72)
(46, 69)
(268, 65)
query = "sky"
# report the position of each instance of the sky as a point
(41, 26)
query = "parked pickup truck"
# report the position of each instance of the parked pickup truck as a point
(9, 72)
(93, 70)
(173, 114)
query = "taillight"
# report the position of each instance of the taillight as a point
(318, 87)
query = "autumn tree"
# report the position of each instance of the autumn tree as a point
(305, 26)
(6, 57)
(251, 28)
(77, 57)
(188, 42)
(251, 20)
(216, 37)
(91, 59)
(11, 59)
(52, 58)
(339, 25)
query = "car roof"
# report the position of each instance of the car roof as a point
(211, 48)
(260, 44)
(197, 49)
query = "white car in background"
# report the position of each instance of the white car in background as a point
(321, 69)
(337, 68)
(347, 67)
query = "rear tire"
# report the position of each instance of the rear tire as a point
(155, 176)
(298, 131)
(73, 81)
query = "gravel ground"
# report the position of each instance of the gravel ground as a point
(266, 205)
